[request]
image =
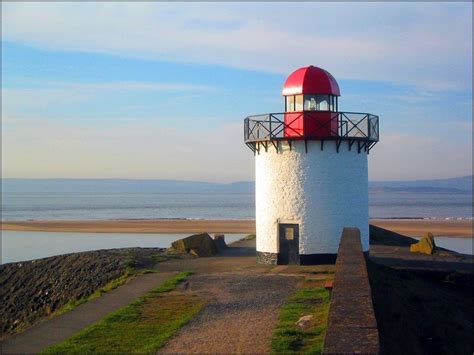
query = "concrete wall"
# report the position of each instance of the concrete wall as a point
(321, 190)
(352, 326)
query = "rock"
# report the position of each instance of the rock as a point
(193, 253)
(304, 322)
(219, 241)
(202, 244)
(426, 245)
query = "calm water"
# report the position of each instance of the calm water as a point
(83, 200)
(71, 205)
(19, 246)
(460, 245)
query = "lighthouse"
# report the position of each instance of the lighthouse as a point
(311, 173)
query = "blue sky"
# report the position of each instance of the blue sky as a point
(160, 90)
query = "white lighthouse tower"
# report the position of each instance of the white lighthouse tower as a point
(311, 171)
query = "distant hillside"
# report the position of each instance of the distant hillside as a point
(123, 186)
(458, 184)
(454, 185)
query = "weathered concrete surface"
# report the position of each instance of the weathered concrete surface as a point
(352, 327)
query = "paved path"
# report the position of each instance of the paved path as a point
(62, 327)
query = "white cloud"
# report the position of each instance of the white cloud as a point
(60, 93)
(425, 44)
(128, 85)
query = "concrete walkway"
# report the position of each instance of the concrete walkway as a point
(64, 326)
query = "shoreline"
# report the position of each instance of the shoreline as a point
(408, 227)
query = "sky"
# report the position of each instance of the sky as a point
(160, 90)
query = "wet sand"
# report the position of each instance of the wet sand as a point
(409, 227)
(416, 227)
(135, 226)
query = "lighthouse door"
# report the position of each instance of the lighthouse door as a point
(289, 244)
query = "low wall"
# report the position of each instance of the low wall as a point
(352, 327)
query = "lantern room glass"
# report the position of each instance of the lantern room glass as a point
(310, 102)
(290, 103)
(299, 103)
(320, 103)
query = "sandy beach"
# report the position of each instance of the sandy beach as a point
(409, 227)
(416, 227)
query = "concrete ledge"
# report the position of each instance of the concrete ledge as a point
(352, 327)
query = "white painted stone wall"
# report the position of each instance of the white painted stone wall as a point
(321, 190)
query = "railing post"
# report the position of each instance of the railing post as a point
(270, 125)
(246, 129)
(369, 123)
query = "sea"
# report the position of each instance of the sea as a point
(79, 201)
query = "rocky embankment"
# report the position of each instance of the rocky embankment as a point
(33, 290)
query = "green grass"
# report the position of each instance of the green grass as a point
(291, 339)
(96, 294)
(141, 327)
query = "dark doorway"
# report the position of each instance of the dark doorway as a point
(289, 244)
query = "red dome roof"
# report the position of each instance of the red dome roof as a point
(310, 80)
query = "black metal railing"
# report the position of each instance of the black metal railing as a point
(351, 126)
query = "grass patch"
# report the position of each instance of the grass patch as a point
(96, 294)
(289, 338)
(141, 327)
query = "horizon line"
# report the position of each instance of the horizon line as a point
(209, 182)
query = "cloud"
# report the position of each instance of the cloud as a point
(427, 44)
(129, 85)
(56, 93)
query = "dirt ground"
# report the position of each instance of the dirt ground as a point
(240, 315)
(243, 300)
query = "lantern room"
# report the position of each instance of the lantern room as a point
(311, 103)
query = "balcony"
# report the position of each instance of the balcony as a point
(263, 131)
